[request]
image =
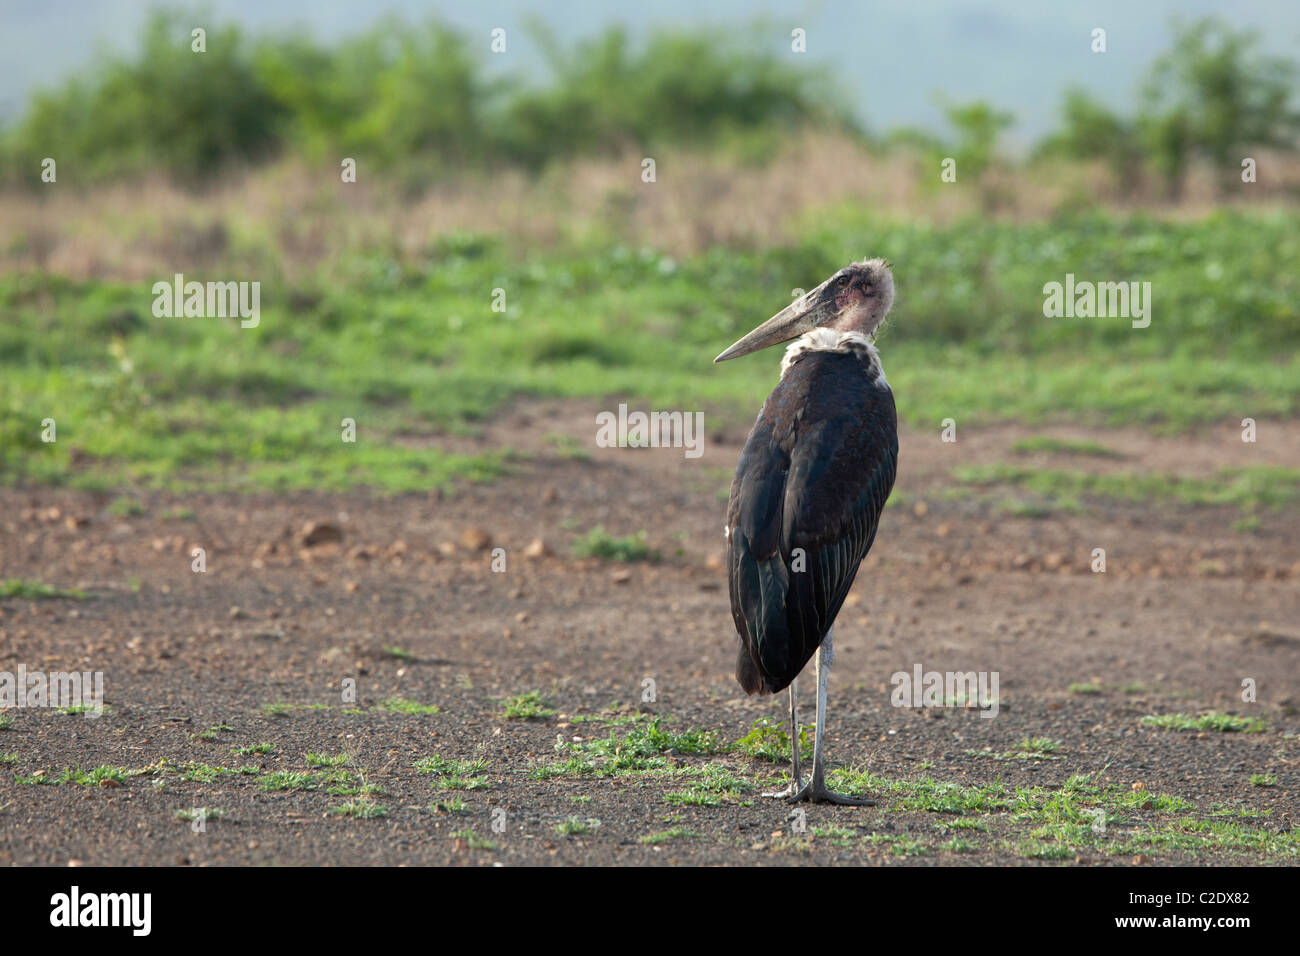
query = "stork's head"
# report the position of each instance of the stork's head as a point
(855, 299)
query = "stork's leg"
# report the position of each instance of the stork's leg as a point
(796, 779)
(816, 790)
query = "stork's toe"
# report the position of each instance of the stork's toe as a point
(790, 792)
(822, 795)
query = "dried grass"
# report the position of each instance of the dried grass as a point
(295, 218)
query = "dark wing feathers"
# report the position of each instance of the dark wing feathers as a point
(805, 504)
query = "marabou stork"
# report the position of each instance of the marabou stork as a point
(811, 484)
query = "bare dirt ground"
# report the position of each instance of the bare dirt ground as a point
(1186, 610)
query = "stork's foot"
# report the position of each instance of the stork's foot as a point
(815, 792)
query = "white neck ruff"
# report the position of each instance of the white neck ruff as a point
(832, 340)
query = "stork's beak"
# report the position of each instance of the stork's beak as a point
(802, 315)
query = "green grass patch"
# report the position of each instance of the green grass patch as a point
(35, 591)
(250, 750)
(768, 740)
(1224, 723)
(366, 789)
(102, 775)
(641, 749)
(200, 814)
(667, 836)
(1059, 822)
(529, 706)
(403, 705)
(455, 774)
(180, 404)
(712, 785)
(73, 709)
(1043, 444)
(907, 846)
(596, 543)
(289, 780)
(212, 732)
(474, 841)
(1035, 748)
(126, 508)
(1038, 850)
(574, 826)
(205, 773)
(1246, 488)
(1195, 836)
(324, 760)
(360, 810)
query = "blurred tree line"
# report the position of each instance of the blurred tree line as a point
(1211, 97)
(415, 100)
(399, 96)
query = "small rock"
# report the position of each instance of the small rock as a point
(475, 539)
(621, 576)
(319, 532)
(538, 548)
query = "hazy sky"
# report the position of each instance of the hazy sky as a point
(892, 56)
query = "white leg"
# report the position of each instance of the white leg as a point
(825, 657)
(816, 790)
(796, 779)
